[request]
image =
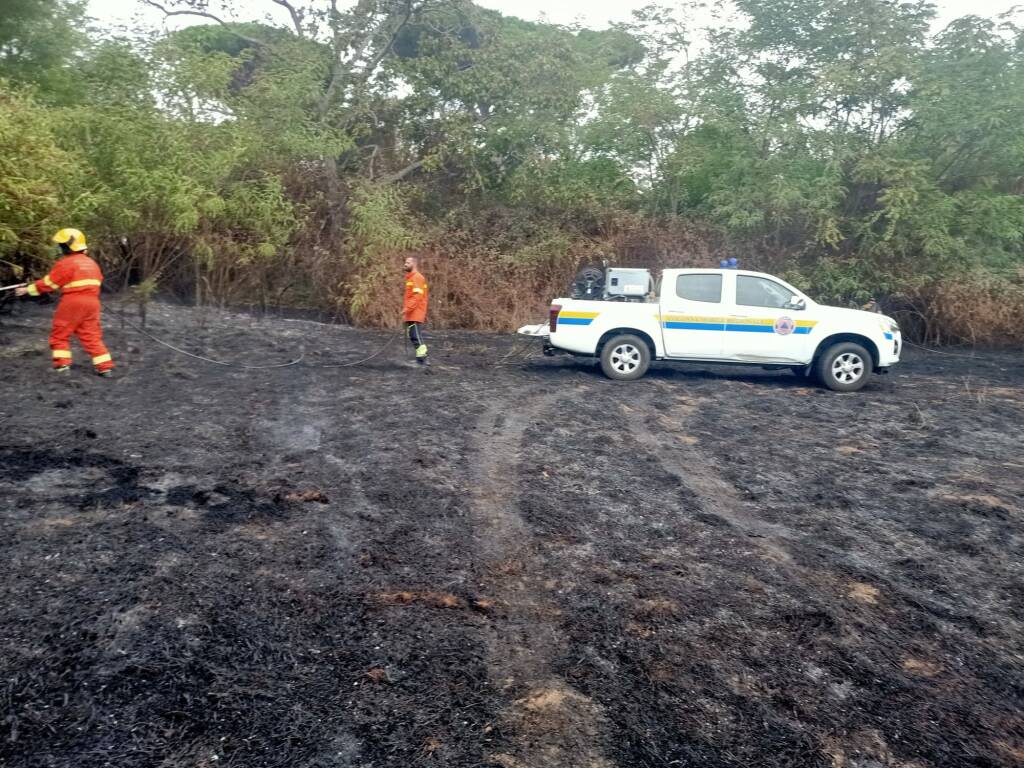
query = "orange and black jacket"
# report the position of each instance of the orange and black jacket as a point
(75, 273)
(414, 309)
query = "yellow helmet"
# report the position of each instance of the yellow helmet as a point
(73, 239)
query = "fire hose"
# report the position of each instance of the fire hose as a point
(509, 357)
(205, 359)
(225, 363)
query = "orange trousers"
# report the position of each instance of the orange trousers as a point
(79, 315)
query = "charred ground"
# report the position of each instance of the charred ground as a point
(521, 565)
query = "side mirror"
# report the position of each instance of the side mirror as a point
(796, 303)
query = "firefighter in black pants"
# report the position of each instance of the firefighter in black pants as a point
(414, 308)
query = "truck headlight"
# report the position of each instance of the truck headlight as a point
(890, 326)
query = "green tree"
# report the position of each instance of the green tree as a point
(40, 42)
(39, 180)
(836, 142)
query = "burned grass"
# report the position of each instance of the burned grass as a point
(522, 566)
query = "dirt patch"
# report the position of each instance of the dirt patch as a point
(976, 498)
(1007, 393)
(307, 496)
(433, 599)
(1014, 753)
(863, 593)
(547, 700)
(921, 667)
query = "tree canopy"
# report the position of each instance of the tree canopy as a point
(843, 143)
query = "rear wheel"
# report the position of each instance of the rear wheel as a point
(625, 358)
(844, 367)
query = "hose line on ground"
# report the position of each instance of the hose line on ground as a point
(211, 360)
(510, 357)
(938, 351)
(395, 335)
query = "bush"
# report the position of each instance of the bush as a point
(40, 182)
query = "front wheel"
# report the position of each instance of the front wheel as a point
(844, 367)
(625, 358)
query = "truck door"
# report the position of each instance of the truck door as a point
(692, 318)
(764, 324)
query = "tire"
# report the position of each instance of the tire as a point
(625, 358)
(844, 367)
(589, 283)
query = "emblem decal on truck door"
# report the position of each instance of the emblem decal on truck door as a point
(785, 326)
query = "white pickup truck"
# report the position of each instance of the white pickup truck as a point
(722, 316)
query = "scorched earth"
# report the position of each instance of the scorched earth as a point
(509, 562)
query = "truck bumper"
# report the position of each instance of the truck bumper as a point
(538, 331)
(889, 350)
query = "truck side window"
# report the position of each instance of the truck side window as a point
(758, 292)
(707, 288)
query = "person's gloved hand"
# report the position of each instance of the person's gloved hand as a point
(21, 291)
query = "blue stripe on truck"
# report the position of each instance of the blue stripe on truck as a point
(695, 326)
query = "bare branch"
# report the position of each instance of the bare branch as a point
(336, 66)
(205, 15)
(410, 8)
(402, 173)
(294, 13)
(366, 73)
(373, 157)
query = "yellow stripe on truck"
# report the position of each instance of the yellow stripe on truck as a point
(693, 319)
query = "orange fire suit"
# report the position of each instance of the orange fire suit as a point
(78, 278)
(414, 312)
(414, 309)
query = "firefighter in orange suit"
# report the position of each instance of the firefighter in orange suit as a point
(414, 308)
(78, 278)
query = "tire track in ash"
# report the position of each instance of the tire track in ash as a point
(680, 458)
(550, 724)
(677, 453)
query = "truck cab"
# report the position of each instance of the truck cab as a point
(727, 316)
